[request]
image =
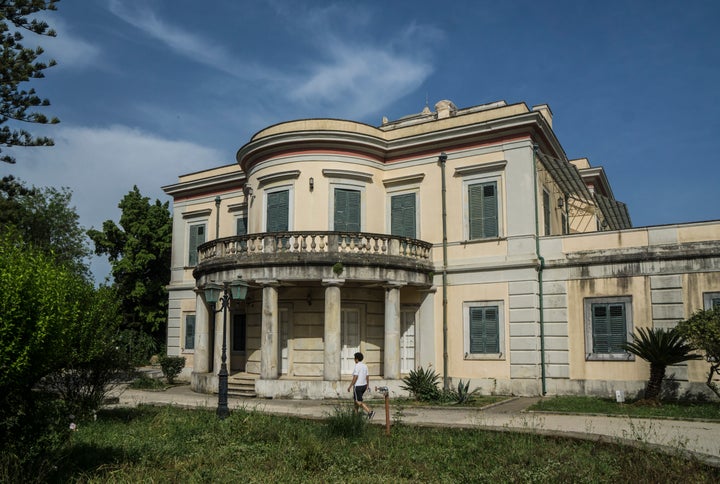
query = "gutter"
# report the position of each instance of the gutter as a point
(540, 268)
(442, 158)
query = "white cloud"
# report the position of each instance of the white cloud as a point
(101, 165)
(69, 50)
(355, 77)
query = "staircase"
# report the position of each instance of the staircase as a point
(242, 385)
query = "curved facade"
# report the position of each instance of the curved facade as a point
(338, 228)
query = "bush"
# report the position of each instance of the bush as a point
(422, 384)
(144, 382)
(171, 367)
(346, 422)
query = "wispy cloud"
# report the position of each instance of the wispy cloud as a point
(184, 42)
(70, 50)
(343, 73)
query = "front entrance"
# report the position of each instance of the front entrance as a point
(407, 341)
(238, 348)
(350, 339)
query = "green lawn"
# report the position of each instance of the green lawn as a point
(606, 406)
(166, 444)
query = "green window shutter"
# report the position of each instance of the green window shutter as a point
(278, 208)
(402, 215)
(618, 331)
(609, 327)
(483, 210)
(242, 225)
(190, 332)
(484, 330)
(715, 302)
(347, 210)
(546, 211)
(197, 238)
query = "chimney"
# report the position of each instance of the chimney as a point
(445, 109)
(544, 109)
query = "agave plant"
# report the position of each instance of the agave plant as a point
(661, 349)
(464, 395)
(422, 384)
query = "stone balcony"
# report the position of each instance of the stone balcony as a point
(317, 255)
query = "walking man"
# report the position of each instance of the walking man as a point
(359, 385)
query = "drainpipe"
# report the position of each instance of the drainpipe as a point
(446, 384)
(540, 268)
(217, 217)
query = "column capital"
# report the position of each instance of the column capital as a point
(393, 284)
(333, 282)
(267, 282)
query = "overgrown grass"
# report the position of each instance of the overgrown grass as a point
(607, 406)
(166, 444)
(476, 401)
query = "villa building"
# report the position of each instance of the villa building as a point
(462, 239)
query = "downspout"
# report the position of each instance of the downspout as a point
(446, 384)
(541, 266)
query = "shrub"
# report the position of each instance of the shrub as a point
(171, 367)
(422, 384)
(346, 422)
(144, 382)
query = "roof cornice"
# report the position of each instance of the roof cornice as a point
(204, 185)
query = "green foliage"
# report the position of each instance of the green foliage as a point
(164, 444)
(661, 349)
(171, 367)
(702, 330)
(346, 422)
(20, 65)
(144, 382)
(45, 219)
(57, 352)
(422, 384)
(463, 393)
(138, 345)
(139, 253)
(338, 268)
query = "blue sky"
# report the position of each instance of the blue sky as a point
(150, 89)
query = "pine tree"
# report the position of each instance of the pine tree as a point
(18, 65)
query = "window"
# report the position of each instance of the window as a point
(482, 210)
(347, 210)
(403, 215)
(484, 330)
(189, 331)
(608, 322)
(546, 211)
(278, 211)
(241, 225)
(196, 238)
(238, 332)
(711, 300)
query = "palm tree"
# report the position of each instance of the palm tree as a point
(661, 349)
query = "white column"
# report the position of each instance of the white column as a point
(201, 357)
(269, 342)
(332, 337)
(392, 331)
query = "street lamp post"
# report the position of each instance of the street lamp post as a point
(224, 293)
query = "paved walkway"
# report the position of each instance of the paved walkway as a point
(693, 437)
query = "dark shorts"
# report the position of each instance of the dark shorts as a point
(358, 392)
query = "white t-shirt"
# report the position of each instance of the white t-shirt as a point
(361, 370)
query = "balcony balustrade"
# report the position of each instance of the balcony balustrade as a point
(317, 245)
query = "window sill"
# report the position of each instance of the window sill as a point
(187, 352)
(484, 356)
(609, 357)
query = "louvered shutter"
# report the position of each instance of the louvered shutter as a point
(609, 327)
(490, 210)
(715, 302)
(347, 210)
(277, 211)
(484, 330)
(402, 215)
(618, 333)
(483, 210)
(196, 238)
(600, 328)
(546, 211)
